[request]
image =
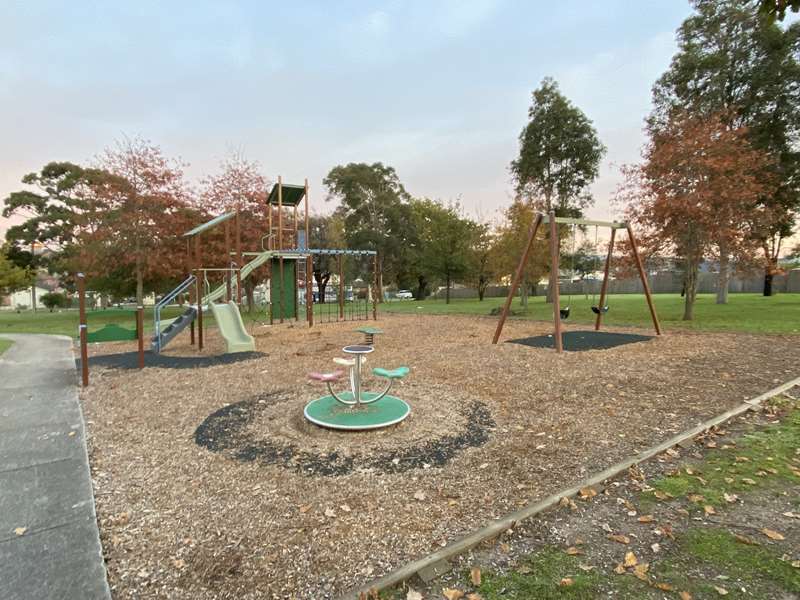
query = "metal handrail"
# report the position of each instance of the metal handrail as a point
(164, 302)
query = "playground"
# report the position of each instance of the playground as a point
(210, 482)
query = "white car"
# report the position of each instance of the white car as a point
(404, 295)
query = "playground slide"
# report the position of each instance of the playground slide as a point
(230, 325)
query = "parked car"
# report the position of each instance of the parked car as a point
(404, 295)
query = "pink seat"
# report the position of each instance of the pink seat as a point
(325, 377)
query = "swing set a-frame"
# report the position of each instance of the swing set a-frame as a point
(553, 221)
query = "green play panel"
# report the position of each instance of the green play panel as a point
(328, 412)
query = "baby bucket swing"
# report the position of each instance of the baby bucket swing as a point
(564, 312)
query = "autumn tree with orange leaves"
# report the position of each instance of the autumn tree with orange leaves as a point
(238, 185)
(143, 225)
(697, 195)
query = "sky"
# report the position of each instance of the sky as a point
(437, 89)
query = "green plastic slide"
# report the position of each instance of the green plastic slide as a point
(231, 326)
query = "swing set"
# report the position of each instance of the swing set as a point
(559, 313)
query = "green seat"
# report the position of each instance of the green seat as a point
(397, 373)
(369, 330)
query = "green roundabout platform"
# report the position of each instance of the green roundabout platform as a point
(328, 412)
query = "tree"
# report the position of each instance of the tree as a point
(559, 154)
(325, 231)
(54, 300)
(12, 277)
(146, 221)
(445, 240)
(374, 207)
(481, 270)
(239, 185)
(64, 207)
(776, 9)
(510, 241)
(731, 62)
(697, 190)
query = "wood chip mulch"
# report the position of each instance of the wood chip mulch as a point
(181, 519)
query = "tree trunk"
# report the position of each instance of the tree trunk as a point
(482, 284)
(447, 290)
(523, 293)
(33, 295)
(422, 287)
(768, 276)
(250, 291)
(723, 280)
(691, 292)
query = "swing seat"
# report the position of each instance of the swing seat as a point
(598, 310)
(564, 312)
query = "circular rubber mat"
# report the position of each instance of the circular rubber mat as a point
(328, 412)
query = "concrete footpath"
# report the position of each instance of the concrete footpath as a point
(49, 541)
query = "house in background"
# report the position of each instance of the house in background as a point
(45, 283)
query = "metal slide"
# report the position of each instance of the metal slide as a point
(230, 325)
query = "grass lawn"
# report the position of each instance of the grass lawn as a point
(751, 313)
(65, 322)
(4, 345)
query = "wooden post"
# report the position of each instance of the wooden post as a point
(239, 262)
(554, 247)
(604, 287)
(229, 275)
(270, 243)
(305, 200)
(140, 334)
(199, 285)
(517, 276)
(341, 287)
(296, 287)
(82, 329)
(295, 245)
(643, 275)
(375, 287)
(310, 290)
(280, 217)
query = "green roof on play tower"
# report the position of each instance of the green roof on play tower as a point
(290, 194)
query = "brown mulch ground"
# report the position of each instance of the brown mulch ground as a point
(182, 520)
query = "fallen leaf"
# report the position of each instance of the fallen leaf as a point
(730, 497)
(689, 471)
(695, 498)
(619, 569)
(587, 492)
(474, 596)
(792, 515)
(663, 586)
(721, 590)
(573, 551)
(20, 530)
(475, 576)
(618, 537)
(305, 508)
(178, 563)
(345, 508)
(709, 510)
(745, 540)
(646, 519)
(584, 567)
(685, 596)
(413, 594)
(330, 513)
(662, 495)
(419, 495)
(71, 433)
(656, 548)
(772, 534)
(640, 571)
(630, 559)
(524, 570)
(748, 481)
(566, 582)
(452, 594)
